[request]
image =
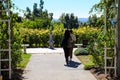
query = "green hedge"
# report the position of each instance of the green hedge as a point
(81, 51)
(40, 37)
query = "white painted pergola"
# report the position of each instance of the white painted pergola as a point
(113, 66)
(8, 50)
(9, 42)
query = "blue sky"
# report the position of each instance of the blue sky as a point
(80, 8)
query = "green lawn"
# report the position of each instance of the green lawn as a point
(87, 61)
(25, 60)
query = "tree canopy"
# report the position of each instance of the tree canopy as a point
(41, 17)
(69, 20)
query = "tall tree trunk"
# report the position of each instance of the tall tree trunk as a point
(118, 41)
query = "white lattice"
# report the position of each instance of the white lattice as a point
(9, 41)
(107, 48)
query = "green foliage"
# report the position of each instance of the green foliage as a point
(96, 46)
(25, 60)
(35, 36)
(58, 36)
(95, 21)
(69, 21)
(85, 33)
(97, 51)
(81, 51)
(36, 24)
(58, 25)
(28, 24)
(110, 13)
(88, 66)
(38, 18)
(15, 38)
(86, 61)
(28, 13)
(40, 37)
(107, 37)
(16, 46)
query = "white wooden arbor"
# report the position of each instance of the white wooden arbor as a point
(8, 50)
(9, 43)
(106, 48)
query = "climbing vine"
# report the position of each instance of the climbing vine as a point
(4, 37)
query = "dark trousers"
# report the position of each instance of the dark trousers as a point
(66, 53)
(71, 52)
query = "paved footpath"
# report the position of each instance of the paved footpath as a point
(47, 64)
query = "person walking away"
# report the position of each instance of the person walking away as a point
(66, 44)
(73, 40)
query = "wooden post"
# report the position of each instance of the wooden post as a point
(118, 41)
(105, 30)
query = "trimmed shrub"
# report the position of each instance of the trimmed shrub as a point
(40, 37)
(81, 51)
(88, 66)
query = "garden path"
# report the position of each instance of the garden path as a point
(47, 64)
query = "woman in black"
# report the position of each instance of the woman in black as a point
(66, 44)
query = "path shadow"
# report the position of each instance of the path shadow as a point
(52, 48)
(16, 75)
(73, 64)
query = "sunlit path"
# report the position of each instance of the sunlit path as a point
(44, 50)
(52, 67)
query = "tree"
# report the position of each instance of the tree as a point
(93, 20)
(99, 8)
(41, 6)
(69, 21)
(45, 14)
(41, 17)
(38, 12)
(28, 14)
(35, 11)
(76, 23)
(62, 18)
(66, 23)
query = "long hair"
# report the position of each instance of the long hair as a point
(67, 34)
